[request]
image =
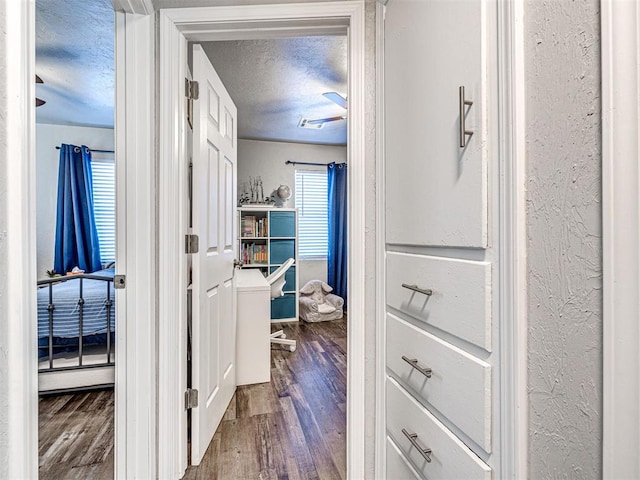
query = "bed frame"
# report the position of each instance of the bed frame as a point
(81, 362)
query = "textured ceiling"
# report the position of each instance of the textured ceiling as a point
(274, 83)
(75, 59)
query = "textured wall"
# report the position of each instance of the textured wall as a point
(4, 307)
(564, 237)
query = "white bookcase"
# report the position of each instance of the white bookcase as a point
(267, 237)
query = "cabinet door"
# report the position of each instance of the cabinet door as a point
(436, 191)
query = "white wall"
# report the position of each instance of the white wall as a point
(267, 160)
(47, 160)
(564, 229)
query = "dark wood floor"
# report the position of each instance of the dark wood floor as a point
(291, 428)
(76, 436)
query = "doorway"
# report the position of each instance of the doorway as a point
(75, 237)
(275, 84)
(177, 27)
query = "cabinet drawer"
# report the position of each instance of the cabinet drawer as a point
(282, 224)
(459, 386)
(461, 300)
(281, 250)
(450, 458)
(398, 467)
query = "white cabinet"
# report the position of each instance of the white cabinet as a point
(253, 347)
(449, 457)
(458, 385)
(460, 300)
(441, 353)
(436, 191)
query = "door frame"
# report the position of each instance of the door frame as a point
(511, 219)
(19, 393)
(132, 397)
(248, 22)
(620, 238)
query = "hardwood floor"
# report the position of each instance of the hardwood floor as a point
(293, 427)
(76, 436)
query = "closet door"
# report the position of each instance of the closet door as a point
(436, 189)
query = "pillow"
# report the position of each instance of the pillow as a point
(326, 308)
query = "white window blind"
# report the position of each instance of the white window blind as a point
(311, 201)
(104, 206)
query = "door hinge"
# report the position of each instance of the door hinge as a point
(119, 281)
(191, 89)
(191, 244)
(190, 398)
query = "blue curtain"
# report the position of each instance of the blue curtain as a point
(337, 258)
(76, 233)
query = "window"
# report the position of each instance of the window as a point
(104, 206)
(312, 204)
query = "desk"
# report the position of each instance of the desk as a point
(253, 348)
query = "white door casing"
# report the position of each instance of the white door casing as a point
(214, 200)
(621, 235)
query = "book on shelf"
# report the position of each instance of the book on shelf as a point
(248, 226)
(254, 227)
(253, 253)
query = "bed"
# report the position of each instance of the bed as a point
(76, 331)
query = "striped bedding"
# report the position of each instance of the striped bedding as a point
(65, 314)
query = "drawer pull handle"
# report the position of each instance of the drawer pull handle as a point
(426, 291)
(413, 438)
(463, 102)
(426, 371)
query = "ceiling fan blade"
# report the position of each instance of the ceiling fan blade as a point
(336, 98)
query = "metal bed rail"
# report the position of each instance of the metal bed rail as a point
(49, 284)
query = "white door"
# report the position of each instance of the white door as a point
(214, 200)
(436, 190)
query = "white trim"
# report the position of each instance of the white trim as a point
(198, 23)
(19, 443)
(621, 237)
(135, 385)
(142, 7)
(512, 242)
(172, 226)
(381, 360)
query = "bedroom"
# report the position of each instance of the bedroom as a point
(75, 236)
(260, 155)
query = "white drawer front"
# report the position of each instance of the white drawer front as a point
(459, 386)
(450, 458)
(398, 467)
(461, 300)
